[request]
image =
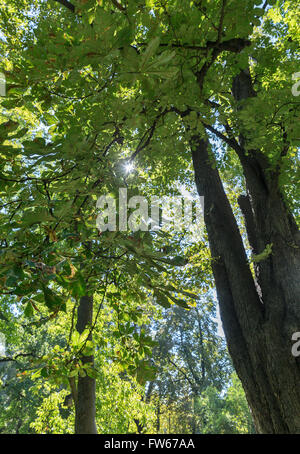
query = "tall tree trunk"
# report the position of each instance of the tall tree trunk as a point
(158, 412)
(194, 424)
(85, 403)
(258, 320)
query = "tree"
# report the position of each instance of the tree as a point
(35, 394)
(227, 412)
(189, 357)
(159, 83)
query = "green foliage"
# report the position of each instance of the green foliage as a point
(33, 387)
(190, 358)
(228, 413)
(87, 92)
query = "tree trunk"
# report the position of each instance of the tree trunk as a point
(158, 413)
(259, 314)
(85, 404)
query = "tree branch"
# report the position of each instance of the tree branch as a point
(144, 143)
(235, 45)
(10, 358)
(230, 141)
(118, 5)
(182, 372)
(67, 4)
(220, 28)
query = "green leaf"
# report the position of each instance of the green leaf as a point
(78, 286)
(45, 372)
(36, 216)
(161, 299)
(149, 52)
(52, 300)
(91, 372)
(28, 311)
(73, 373)
(82, 373)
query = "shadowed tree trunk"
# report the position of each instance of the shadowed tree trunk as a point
(259, 313)
(85, 402)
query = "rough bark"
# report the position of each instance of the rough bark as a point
(85, 404)
(258, 319)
